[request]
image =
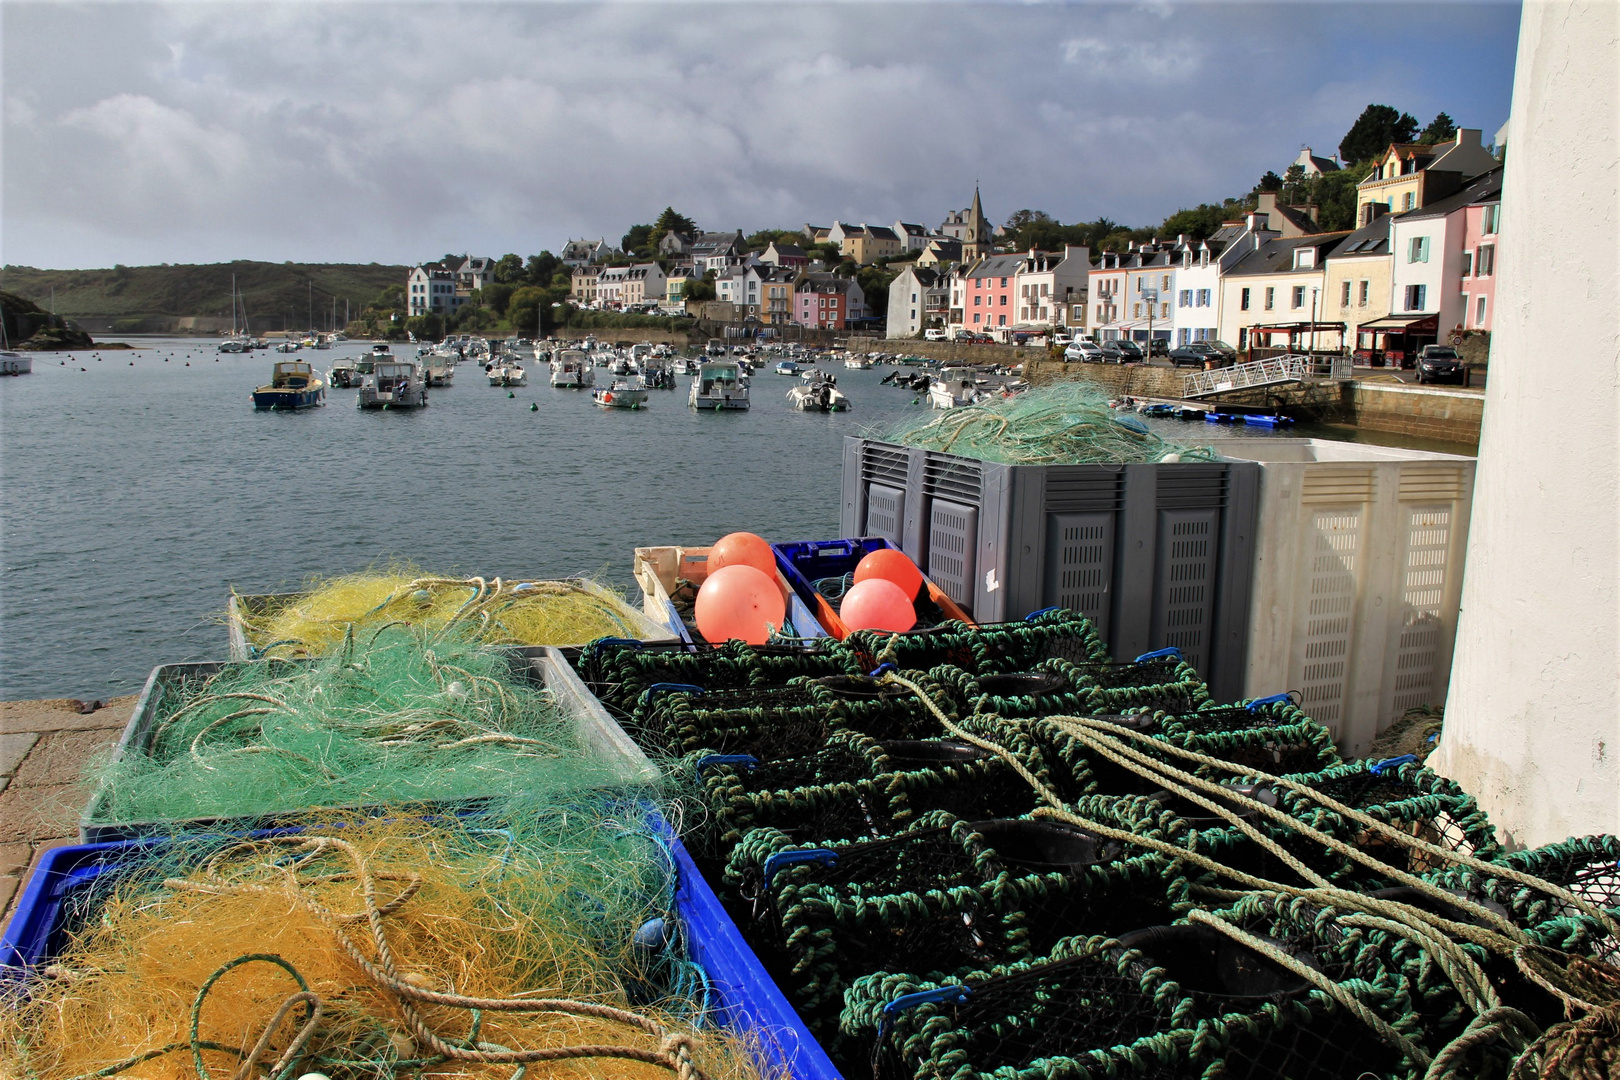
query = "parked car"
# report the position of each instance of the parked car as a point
(1129, 351)
(1440, 363)
(1198, 353)
(1084, 350)
(1159, 347)
(934, 334)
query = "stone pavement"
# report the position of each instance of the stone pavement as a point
(45, 747)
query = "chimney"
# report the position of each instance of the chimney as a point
(1372, 211)
(1469, 137)
(1267, 203)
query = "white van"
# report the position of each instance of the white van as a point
(935, 334)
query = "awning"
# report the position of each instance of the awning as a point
(1297, 328)
(1409, 324)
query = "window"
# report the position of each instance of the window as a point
(1203, 298)
(1003, 283)
(1299, 296)
(1415, 295)
(1485, 261)
(1001, 320)
(1344, 294)
(1304, 258)
(1185, 299)
(976, 300)
(1271, 298)
(1166, 285)
(975, 316)
(1467, 263)
(1243, 301)
(1003, 299)
(1164, 311)
(1045, 290)
(1417, 249)
(1492, 219)
(1479, 315)
(1364, 284)
(1136, 310)
(1409, 200)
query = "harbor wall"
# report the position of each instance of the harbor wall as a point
(1532, 723)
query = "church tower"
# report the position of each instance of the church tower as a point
(978, 240)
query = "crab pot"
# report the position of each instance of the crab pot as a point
(765, 723)
(1167, 682)
(995, 647)
(620, 672)
(1075, 1015)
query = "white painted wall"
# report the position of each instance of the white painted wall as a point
(1533, 718)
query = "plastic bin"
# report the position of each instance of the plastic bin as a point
(593, 726)
(802, 563)
(747, 1000)
(1358, 578)
(659, 571)
(1155, 555)
(654, 627)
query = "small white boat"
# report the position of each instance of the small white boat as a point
(235, 345)
(719, 384)
(619, 365)
(15, 363)
(287, 346)
(684, 366)
(393, 384)
(628, 393)
(572, 370)
(438, 370)
(508, 372)
(380, 354)
(822, 395)
(812, 374)
(857, 363)
(787, 367)
(955, 387)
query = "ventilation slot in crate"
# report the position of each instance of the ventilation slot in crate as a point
(1428, 547)
(953, 478)
(953, 536)
(1080, 564)
(1072, 492)
(882, 465)
(1334, 580)
(1192, 488)
(885, 512)
(1185, 605)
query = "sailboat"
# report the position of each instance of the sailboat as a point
(12, 362)
(239, 341)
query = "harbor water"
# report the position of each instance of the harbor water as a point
(133, 497)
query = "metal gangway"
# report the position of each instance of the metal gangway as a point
(1272, 371)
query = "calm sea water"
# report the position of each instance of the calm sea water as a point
(133, 498)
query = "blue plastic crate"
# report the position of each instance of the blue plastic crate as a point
(807, 561)
(745, 997)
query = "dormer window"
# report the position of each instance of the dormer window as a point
(1304, 258)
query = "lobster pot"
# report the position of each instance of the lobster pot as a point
(1084, 1011)
(765, 723)
(1154, 554)
(619, 672)
(935, 900)
(1148, 682)
(1588, 866)
(997, 647)
(1056, 686)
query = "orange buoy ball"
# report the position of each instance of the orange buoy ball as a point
(743, 548)
(739, 601)
(893, 565)
(877, 604)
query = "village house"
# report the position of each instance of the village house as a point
(919, 297)
(1356, 282)
(827, 301)
(1050, 284)
(780, 254)
(717, 250)
(983, 295)
(644, 284)
(1410, 176)
(1200, 268)
(585, 252)
(582, 285)
(1273, 296)
(941, 252)
(1433, 266)
(430, 289)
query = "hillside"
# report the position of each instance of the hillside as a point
(134, 298)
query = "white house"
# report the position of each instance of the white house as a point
(918, 298)
(1430, 262)
(912, 237)
(1048, 285)
(1195, 312)
(430, 289)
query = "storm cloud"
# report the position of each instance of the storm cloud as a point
(141, 133)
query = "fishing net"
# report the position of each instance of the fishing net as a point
(491, 610)
(396, 717)
(378, 948)
(1065, 423)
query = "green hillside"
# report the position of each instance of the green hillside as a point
(273, 292)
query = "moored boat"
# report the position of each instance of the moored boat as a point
(628, 393)
(393, 384)
(507, 372)
(787, 367)
(379, 353)
(820, 395)
(718, 385)
(572, 370)
(344, 374)
(293, 385)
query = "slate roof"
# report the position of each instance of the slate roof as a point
(1482, 189)
(1277, 256)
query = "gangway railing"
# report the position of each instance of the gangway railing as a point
(1272, 371)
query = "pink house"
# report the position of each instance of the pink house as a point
(824, 302)
(1480, 224)
(989, 293)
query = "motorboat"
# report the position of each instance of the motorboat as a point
(393, 384)
(619, 365)
(812, 374)
(507, 372)
(857, 363)
(787, 367)
(379, 353)
(684, 366)
(438, 370)
(235, 345)
(572, 370)
(821, 395)
(719, 384)
(344, 375)
(630, 393)
(293, 385)
(287, 346)
(955, 387)
(657, 374)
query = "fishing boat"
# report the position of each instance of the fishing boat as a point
(719, 385)
(684, 366)
(572, 370)
(287, 346)
(955, 387)
(292, 385)
(393, 384)
(344, 374)
(657, 375)
(821, 395)
(628, 393)
(507, 372)
(12, 362)
(619, 365)
(379, 353)
(438, 370)
(787, 367)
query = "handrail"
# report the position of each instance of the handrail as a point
(1290, 367)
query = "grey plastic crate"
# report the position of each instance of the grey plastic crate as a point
(1155, 555)
(546, 666)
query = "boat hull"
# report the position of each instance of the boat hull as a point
(16, 364)
(620, 399)
(289, 400)
(388, 400)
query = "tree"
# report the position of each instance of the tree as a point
(1334, 194)
(1021, 218)
(874, 282)
(1374, 130)
(508, 268)
(541, 268)
(638, 241)
(762, 239)
(1441, 129)
(1294, 187)
(670, 221)
(525, 307)
(1270, 182)
(496, 295)
(702, 288)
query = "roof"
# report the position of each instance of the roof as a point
(880, 232)
(997, 266)
(1371, 239)
(790, 250)
(911, 230)
(1482, 189)
(1277, 256)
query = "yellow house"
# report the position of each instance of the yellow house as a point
(1409, 176)
(1274, 296)
(866, 244)
(1357, 282)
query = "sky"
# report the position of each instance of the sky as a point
(141, 133)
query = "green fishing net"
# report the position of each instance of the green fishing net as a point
(1062, 424)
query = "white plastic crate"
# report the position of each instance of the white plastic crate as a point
(1358, 578)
